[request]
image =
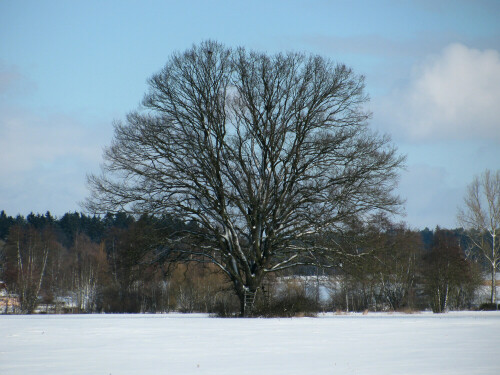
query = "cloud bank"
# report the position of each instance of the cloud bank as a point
(454, 95)
(44, 155)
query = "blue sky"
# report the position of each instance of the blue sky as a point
(68, 69)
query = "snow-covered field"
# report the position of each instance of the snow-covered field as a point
(453, 343)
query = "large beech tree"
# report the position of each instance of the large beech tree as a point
(267, 154)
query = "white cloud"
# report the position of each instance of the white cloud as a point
(44, 156)
(28, 141)
(44, 160)
(454, 95)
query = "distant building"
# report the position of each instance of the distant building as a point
(8, 302)
(3, 289)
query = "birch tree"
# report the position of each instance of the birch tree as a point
(28, 252)
(480, 214)
(88, 270)
(266, 154)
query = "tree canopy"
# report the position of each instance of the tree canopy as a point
(267, 154)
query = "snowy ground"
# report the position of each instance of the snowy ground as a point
(453, 343)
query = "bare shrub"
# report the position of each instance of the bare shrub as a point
(287, 298)
(197, 287)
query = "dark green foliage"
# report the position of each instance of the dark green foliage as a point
(39, 221)
(69, 225)
(5, 223)
(427, 236)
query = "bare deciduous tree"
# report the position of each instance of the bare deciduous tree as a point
(397, 255)
(447, 274)
(481, 215)
(28, 252)
(87, 269)
(266, 153)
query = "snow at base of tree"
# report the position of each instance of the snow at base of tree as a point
(376, 343)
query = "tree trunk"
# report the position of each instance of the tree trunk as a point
(445, 304)
(493, 283)
(242, 304)
(494, 258)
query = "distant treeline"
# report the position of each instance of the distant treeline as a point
(72, 223)
(96, 227)
(115, 263)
